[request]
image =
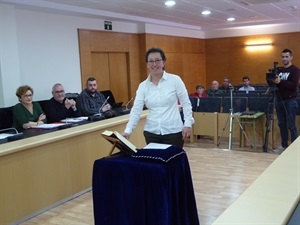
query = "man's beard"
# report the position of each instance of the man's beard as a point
(92, 92)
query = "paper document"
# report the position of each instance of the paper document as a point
(75, 120)
(3, 136)
(156, 146)
(48, 125)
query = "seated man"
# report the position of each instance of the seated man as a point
(90, 100)
(226, 87)
(59, 107)
(200, 92)
(246, 87)
(214, 88)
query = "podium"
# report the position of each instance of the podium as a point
(150, 187)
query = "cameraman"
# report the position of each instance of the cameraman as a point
(286, 106)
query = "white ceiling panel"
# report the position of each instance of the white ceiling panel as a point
(185, 12)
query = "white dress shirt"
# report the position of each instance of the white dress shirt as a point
(162, 103)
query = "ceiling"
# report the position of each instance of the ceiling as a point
(186, 13)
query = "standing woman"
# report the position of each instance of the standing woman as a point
(160, 93)
(27, 113)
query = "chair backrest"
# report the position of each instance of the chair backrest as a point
(210, 104)
(259, 104)
(71, 96)
(43, 104)
(6, 117)
(249, 94)
(107, 93)
(239, 104)
(193, 103)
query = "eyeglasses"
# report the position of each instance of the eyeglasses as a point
(154, 61)
(59, 92)
(27, 96)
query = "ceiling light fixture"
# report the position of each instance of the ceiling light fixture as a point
(230, 19)
(206, 12)
(170, 3)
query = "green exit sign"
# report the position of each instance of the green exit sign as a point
(107, 25)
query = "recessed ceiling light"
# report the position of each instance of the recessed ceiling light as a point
(206, 12)
(231, 19)
(170, 3)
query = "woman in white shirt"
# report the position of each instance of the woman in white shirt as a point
(160, 93)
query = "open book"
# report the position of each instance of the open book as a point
(119, 141)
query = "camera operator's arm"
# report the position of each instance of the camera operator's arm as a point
(277, 80)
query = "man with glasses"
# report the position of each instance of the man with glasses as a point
(59, 107)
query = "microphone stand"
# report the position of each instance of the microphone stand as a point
(231, 118)
(126, 108)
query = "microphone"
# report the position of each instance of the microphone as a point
(104, 103)
(126, 108)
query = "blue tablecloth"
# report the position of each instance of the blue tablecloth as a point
(144, 190)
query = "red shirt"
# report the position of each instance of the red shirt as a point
(204, 95)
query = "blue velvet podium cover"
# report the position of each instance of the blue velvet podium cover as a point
(150, 187)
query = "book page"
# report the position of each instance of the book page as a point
(125, 141)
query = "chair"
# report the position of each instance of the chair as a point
(249, 94)
(111, 99)
(6, 117)
(239, 104)
(193, 101)
(259, 104)
(71, 96)
(210, 104)
(43, 104)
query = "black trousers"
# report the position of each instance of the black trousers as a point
(171, 139)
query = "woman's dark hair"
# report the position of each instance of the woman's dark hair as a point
(155, 50)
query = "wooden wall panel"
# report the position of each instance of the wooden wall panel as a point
(229, 57)
(195, 60)
(100, 70)
(185, 57)
(93, 44)
(118, 76)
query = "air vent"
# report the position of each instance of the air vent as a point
(257, 2)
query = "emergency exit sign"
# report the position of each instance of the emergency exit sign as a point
(107, 25)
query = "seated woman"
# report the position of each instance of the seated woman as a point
(27, 113)
(200, 92)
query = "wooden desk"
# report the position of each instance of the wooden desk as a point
(249, 119)
(273, 196)
(39, 172)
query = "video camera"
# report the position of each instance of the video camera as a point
(272, 74)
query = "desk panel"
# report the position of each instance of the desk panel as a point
(39, 171)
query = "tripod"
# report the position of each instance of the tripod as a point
(269, 120)
(230, 119)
